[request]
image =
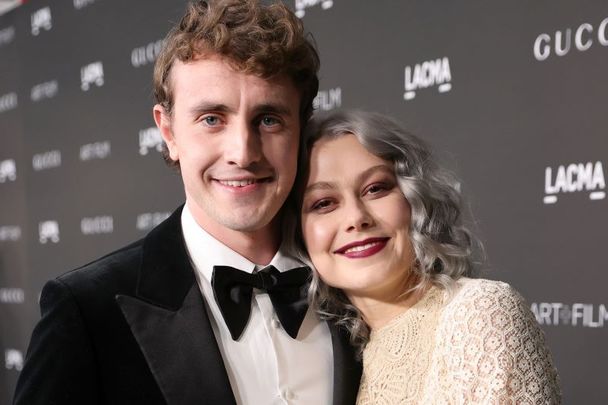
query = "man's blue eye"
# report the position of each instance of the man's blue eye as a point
(211, 120)
(269, 121)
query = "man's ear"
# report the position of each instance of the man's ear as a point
(163, 122)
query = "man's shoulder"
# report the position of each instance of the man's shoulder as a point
(109, 271)
(121, 266)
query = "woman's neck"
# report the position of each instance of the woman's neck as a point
(379, 309)
(377, 312)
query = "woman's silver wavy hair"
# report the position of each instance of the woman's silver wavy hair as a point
(442, 244)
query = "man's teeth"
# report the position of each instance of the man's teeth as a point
(237, 183)
(361, 248)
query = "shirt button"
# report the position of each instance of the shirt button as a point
(275, 323)
(287, 394)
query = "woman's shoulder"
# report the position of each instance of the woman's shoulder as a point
(488, 330)
(486, 306)
(483, 294)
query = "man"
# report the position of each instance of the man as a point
(154, 322)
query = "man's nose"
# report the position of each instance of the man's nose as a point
(244, 146)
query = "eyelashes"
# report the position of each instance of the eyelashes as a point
(373, 191)
(266, 121)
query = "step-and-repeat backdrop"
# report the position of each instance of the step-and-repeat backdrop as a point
(511, 94)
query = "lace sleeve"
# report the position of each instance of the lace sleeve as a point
(495, 351)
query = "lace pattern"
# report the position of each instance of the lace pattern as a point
(480, 346)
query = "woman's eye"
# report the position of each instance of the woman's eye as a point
(377, 188)
(321, 204)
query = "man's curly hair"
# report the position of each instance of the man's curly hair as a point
(261, 39)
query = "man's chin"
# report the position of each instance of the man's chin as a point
(245, 221)
(246, 226)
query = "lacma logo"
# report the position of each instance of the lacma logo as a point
(12, 296)
(97, 225)
(561, 42)
(46, 160)
(147, 54)
(149, 220)
(577, 314)
(575, 177)
(91, 74)
(8, 102)
(8, 170)
(428, 74)
(41, 19)
(97, 150)
(150, 138)
(10, 233)
(13, 359)
(48, 231)
(6, 35)
(44, 90)
(78, 4)
(302, 5)
(328, 99)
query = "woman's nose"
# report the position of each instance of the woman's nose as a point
(358, 217)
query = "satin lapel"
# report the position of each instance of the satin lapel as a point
(170, 323)
(180, 349)
(347, 370)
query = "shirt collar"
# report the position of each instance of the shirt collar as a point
(205, 251)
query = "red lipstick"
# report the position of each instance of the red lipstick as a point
(363, 248)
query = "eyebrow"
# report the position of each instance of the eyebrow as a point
(275, 108)
(206, 106)
(325, 185)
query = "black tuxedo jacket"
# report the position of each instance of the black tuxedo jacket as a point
(131, 328)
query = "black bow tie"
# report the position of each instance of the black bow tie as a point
(233, 289)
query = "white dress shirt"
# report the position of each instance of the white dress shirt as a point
(265, 366)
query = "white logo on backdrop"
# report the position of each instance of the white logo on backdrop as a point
(328, 99)
(91, 74)
(97, 225)
(561, 41)
(149, 220)
(575, 177)
(41, 19)
(46, 160)
(48, 231)
(10, 233)
(8, 102)
(302, 5)
(12, 296)
(97, 150)
(8, 170)
(577, 314)
(13, 359)
(78, 4)
(7, 35)
(44, 90)
(428, 74)
(146, 54)
(150, 138)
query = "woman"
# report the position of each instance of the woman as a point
(381, 224)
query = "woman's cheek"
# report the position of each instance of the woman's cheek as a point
(317, 236)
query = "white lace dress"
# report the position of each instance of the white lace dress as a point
(481, 345)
